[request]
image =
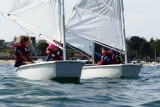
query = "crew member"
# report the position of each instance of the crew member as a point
(54, 52)
(21, 53)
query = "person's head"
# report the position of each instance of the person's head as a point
(104, 51)
(24, 40)
(118, 53)
(53, 47)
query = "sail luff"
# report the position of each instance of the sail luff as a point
(124, 33)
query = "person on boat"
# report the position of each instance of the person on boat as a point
(120, 58)
(109, 57)
(21, 53)
(105, 59)
(117, 58)
(97, 57)
(54, 52)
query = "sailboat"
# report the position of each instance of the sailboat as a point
(101, 22)
(46, 19)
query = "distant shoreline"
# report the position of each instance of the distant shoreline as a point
(6, 61)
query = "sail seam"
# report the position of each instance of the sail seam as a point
(96, 14)
(109, 7)
(92, 13)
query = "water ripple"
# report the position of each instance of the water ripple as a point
(110, 92)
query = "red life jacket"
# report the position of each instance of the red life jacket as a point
(111, 56)
(103, 62)
(56, 55)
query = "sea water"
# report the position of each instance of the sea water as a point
(143, 91)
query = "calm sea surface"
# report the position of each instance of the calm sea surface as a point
(106, 92)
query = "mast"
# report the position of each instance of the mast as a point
(124, 32)
(93, 50)
(63, 29)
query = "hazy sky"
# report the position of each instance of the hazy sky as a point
(142, 18)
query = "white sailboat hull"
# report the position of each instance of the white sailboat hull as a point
(51, 70)
(116, 70)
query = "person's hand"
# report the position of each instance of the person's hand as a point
(53, 55)
(29, 62)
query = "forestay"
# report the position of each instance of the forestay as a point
(40, 16)
(98, 20)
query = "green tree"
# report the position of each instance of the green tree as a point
(42, 45)
(70, 52)
(152, 45)
(157, 46)
(8, 50)
(144, 49)
(1, 42)
(136, 46)
(135, 42)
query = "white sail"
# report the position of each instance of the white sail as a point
(80, 43)
(40, 16)
(76, 41)
(98, 20)
(69, 7)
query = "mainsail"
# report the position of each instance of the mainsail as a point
(40, 16)
(72, 39)
(98, 21)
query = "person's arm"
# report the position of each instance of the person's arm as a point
(27, 61)
(48, 52)
(22, 53)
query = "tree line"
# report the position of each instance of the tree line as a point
(140, 48)
(137, 47)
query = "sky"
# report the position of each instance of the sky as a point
(142, 18)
